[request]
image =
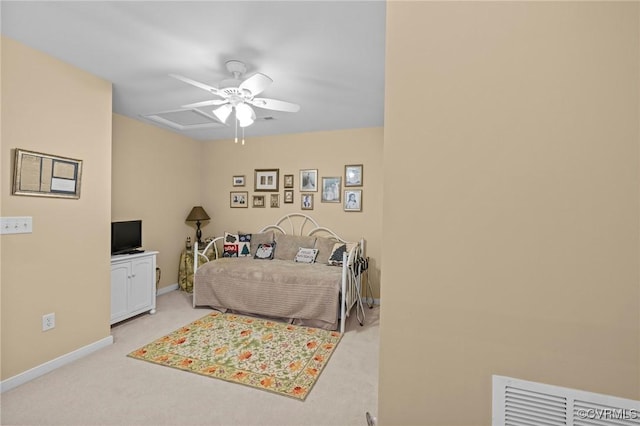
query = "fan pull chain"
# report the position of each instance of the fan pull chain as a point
(236, 121)
(243, 136)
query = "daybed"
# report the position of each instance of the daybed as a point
(247, 278)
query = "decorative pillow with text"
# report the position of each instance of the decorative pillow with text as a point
(306, 255)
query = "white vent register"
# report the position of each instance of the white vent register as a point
(521, 403)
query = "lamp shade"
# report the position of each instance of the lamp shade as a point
(197, 214)
(244, 112)
(245, 123)
(223, 112)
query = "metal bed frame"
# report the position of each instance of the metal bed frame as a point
(352, 271)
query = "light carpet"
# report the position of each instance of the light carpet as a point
(269, 355)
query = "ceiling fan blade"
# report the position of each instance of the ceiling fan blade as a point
(274, 105)
(198, 84)
(222, 113)
(256, 83)
(206, 103)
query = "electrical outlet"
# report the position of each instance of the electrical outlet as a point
(48, 321)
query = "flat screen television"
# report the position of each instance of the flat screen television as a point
(126, 236)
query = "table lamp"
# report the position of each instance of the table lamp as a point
(197, 214)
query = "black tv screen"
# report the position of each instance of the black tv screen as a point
(126, 236)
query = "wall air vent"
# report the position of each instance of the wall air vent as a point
(521, 403)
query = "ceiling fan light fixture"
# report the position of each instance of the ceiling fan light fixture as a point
(246, 123)
(238, 95)
(244, 112)
(222, 113)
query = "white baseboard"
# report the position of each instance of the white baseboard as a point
(49, 366)
(167, 289)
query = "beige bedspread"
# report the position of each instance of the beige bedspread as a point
(308, 293)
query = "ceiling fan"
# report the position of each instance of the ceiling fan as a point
(239, 95)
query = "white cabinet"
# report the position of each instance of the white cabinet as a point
(133, 285)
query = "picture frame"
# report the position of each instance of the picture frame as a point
(309, 180)
(258, 201)
(306, 201)
(266, 180)
(352, 200)
(46, 175)
(353, 175)
(331, 189)
(288, 181)
(238, 180)
(274, 200)
(288, 196)
(239, 199)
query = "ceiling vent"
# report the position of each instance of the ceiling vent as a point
(184, 119)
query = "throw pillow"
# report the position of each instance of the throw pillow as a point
(265, 251)
(338, 250)
(257, 239)
(288, 245)
(230, 250)
(325, 247)
(244, 245)
(230, 238)
(230, 245)
(306, 255)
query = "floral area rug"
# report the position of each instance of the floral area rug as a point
(270, 355)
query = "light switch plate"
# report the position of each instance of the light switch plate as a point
(16, 225)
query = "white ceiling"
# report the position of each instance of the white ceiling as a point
(326, 56)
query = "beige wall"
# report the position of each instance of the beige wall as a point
(63, 266)
(520, 121)
(328, 152)
(156, 178)
(133, 171)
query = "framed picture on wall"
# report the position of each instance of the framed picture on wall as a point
(306, 201)
(309, 180)
(353, 175)
(288, 196)
(238, 181)
(266, 179)
(258, 201)
(331, 189)
(46, 175)
(275, 200)
(288, 181)
(353, 200)
(239, 199)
